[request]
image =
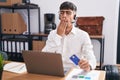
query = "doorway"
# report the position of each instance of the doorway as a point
(118, 41)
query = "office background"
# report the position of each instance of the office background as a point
(107, 8)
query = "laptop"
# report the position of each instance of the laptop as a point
(44, 63)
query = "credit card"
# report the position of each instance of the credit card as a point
(75, 59)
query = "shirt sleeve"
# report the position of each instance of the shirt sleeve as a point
(53, 42)
(88, 52)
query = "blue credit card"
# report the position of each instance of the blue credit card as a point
(75, 59)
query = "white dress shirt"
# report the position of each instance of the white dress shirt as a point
(76, 42)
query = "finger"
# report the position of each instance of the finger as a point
(63, 25)
(85, 67)
(83, 63)
(62, 28)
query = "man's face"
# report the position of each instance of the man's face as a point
(67, 15)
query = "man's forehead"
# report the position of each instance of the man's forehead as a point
(66, 10)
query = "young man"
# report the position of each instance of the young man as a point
(68, 40)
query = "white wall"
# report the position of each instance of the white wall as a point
(106, 8)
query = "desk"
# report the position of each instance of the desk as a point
(28, 76)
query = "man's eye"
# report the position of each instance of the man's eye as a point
(68, 12)
(61, 12)
(65, 12)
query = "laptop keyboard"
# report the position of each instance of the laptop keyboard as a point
(66, 69)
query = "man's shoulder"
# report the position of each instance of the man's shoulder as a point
(80, 31)
(53, 31)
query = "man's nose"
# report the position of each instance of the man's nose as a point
(64, 14)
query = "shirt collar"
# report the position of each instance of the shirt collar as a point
(73, 30)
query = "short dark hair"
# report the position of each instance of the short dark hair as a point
(68, 5)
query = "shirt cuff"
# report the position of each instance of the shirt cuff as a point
(92, 66)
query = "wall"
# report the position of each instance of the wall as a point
(106, 8)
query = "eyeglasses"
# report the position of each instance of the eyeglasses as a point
(68, 12)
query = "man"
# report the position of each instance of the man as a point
(68, 40)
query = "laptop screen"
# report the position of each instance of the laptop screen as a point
(44, 63)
